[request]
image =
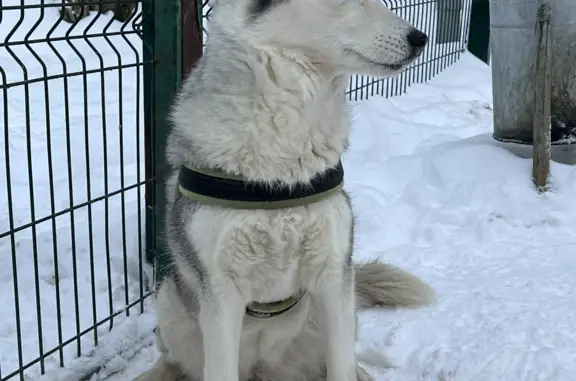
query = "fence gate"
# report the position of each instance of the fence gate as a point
(84, 92)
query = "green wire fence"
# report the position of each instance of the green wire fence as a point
(74, 118)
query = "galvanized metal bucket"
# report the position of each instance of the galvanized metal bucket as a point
(513, 52)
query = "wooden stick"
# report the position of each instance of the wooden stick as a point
(542, 128)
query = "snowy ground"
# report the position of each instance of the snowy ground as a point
(434, 194)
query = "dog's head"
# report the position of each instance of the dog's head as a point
(352, 36)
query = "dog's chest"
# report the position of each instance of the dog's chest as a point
(267, 265)
(273, 254)
(274, 284)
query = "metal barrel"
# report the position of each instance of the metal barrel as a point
(513, 52)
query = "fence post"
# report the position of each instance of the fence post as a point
(148, 120)
(161, 82)
(175, 35)
(541, 128)
(191, 34)
(479, 34)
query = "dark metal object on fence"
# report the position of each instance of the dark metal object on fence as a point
(479, 41)
(513, 47)
(78, 9)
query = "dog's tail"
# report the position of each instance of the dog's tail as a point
(382, 285)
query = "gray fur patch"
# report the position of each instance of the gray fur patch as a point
(352, 231)
(177, 218)
(259, 7)
(186, 294)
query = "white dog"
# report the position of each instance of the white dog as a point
(260, 233)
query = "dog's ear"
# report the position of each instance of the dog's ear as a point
(259, 7)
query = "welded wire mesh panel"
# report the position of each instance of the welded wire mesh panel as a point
(72, 154)
(446, 23)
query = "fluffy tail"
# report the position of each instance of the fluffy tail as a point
(382, 285)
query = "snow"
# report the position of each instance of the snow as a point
(436, 195)
(433, 193)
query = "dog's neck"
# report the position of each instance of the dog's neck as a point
(265, 114)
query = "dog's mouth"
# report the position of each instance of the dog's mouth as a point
(386, 65)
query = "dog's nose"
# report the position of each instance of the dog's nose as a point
(417, 39)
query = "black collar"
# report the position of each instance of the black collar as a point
(216, 188)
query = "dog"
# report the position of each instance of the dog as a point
(266, 105)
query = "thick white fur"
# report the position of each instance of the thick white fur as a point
(267, 102)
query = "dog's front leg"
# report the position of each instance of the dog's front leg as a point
(221, 317)
(338, 300)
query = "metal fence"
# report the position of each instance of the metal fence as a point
(84, 92)
(72, 177)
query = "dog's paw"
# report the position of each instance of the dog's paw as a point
(362, 375)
